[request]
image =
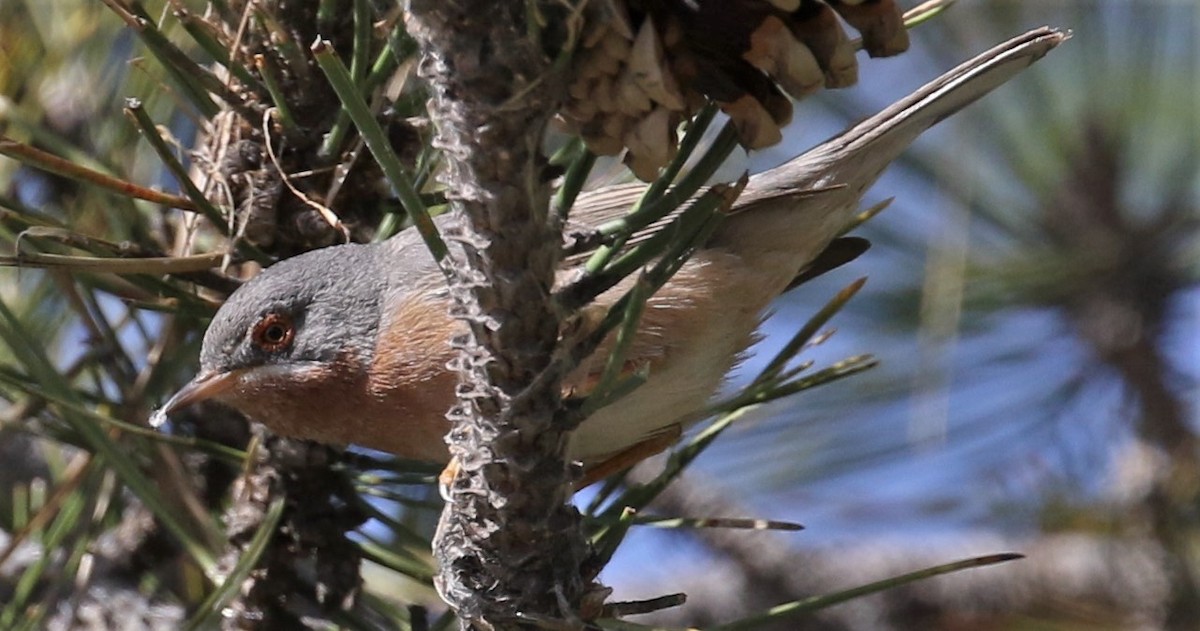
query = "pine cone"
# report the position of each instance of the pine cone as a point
(646, 65)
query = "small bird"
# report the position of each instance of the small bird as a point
(349, 344)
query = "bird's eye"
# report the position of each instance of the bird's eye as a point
(273, 332)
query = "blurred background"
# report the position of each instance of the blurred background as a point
(1032, 296)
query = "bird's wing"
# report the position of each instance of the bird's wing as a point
(782, 226)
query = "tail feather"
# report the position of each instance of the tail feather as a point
(855, 158)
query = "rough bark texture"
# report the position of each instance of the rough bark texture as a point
(508, 542)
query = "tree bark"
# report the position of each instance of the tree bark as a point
(509, 546)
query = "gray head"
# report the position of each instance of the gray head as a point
(305, 318)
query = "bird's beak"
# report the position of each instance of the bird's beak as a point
(205, 386)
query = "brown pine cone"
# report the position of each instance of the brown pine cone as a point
(646, 65)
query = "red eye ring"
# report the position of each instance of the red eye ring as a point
(273, 332)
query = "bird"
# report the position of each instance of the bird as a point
(350, 344)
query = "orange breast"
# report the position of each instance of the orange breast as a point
(410, 388)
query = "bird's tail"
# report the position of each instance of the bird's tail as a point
(854, 159)
(788, 215)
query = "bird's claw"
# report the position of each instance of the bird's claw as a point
(446, 479)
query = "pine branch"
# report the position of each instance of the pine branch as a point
(508, 545)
